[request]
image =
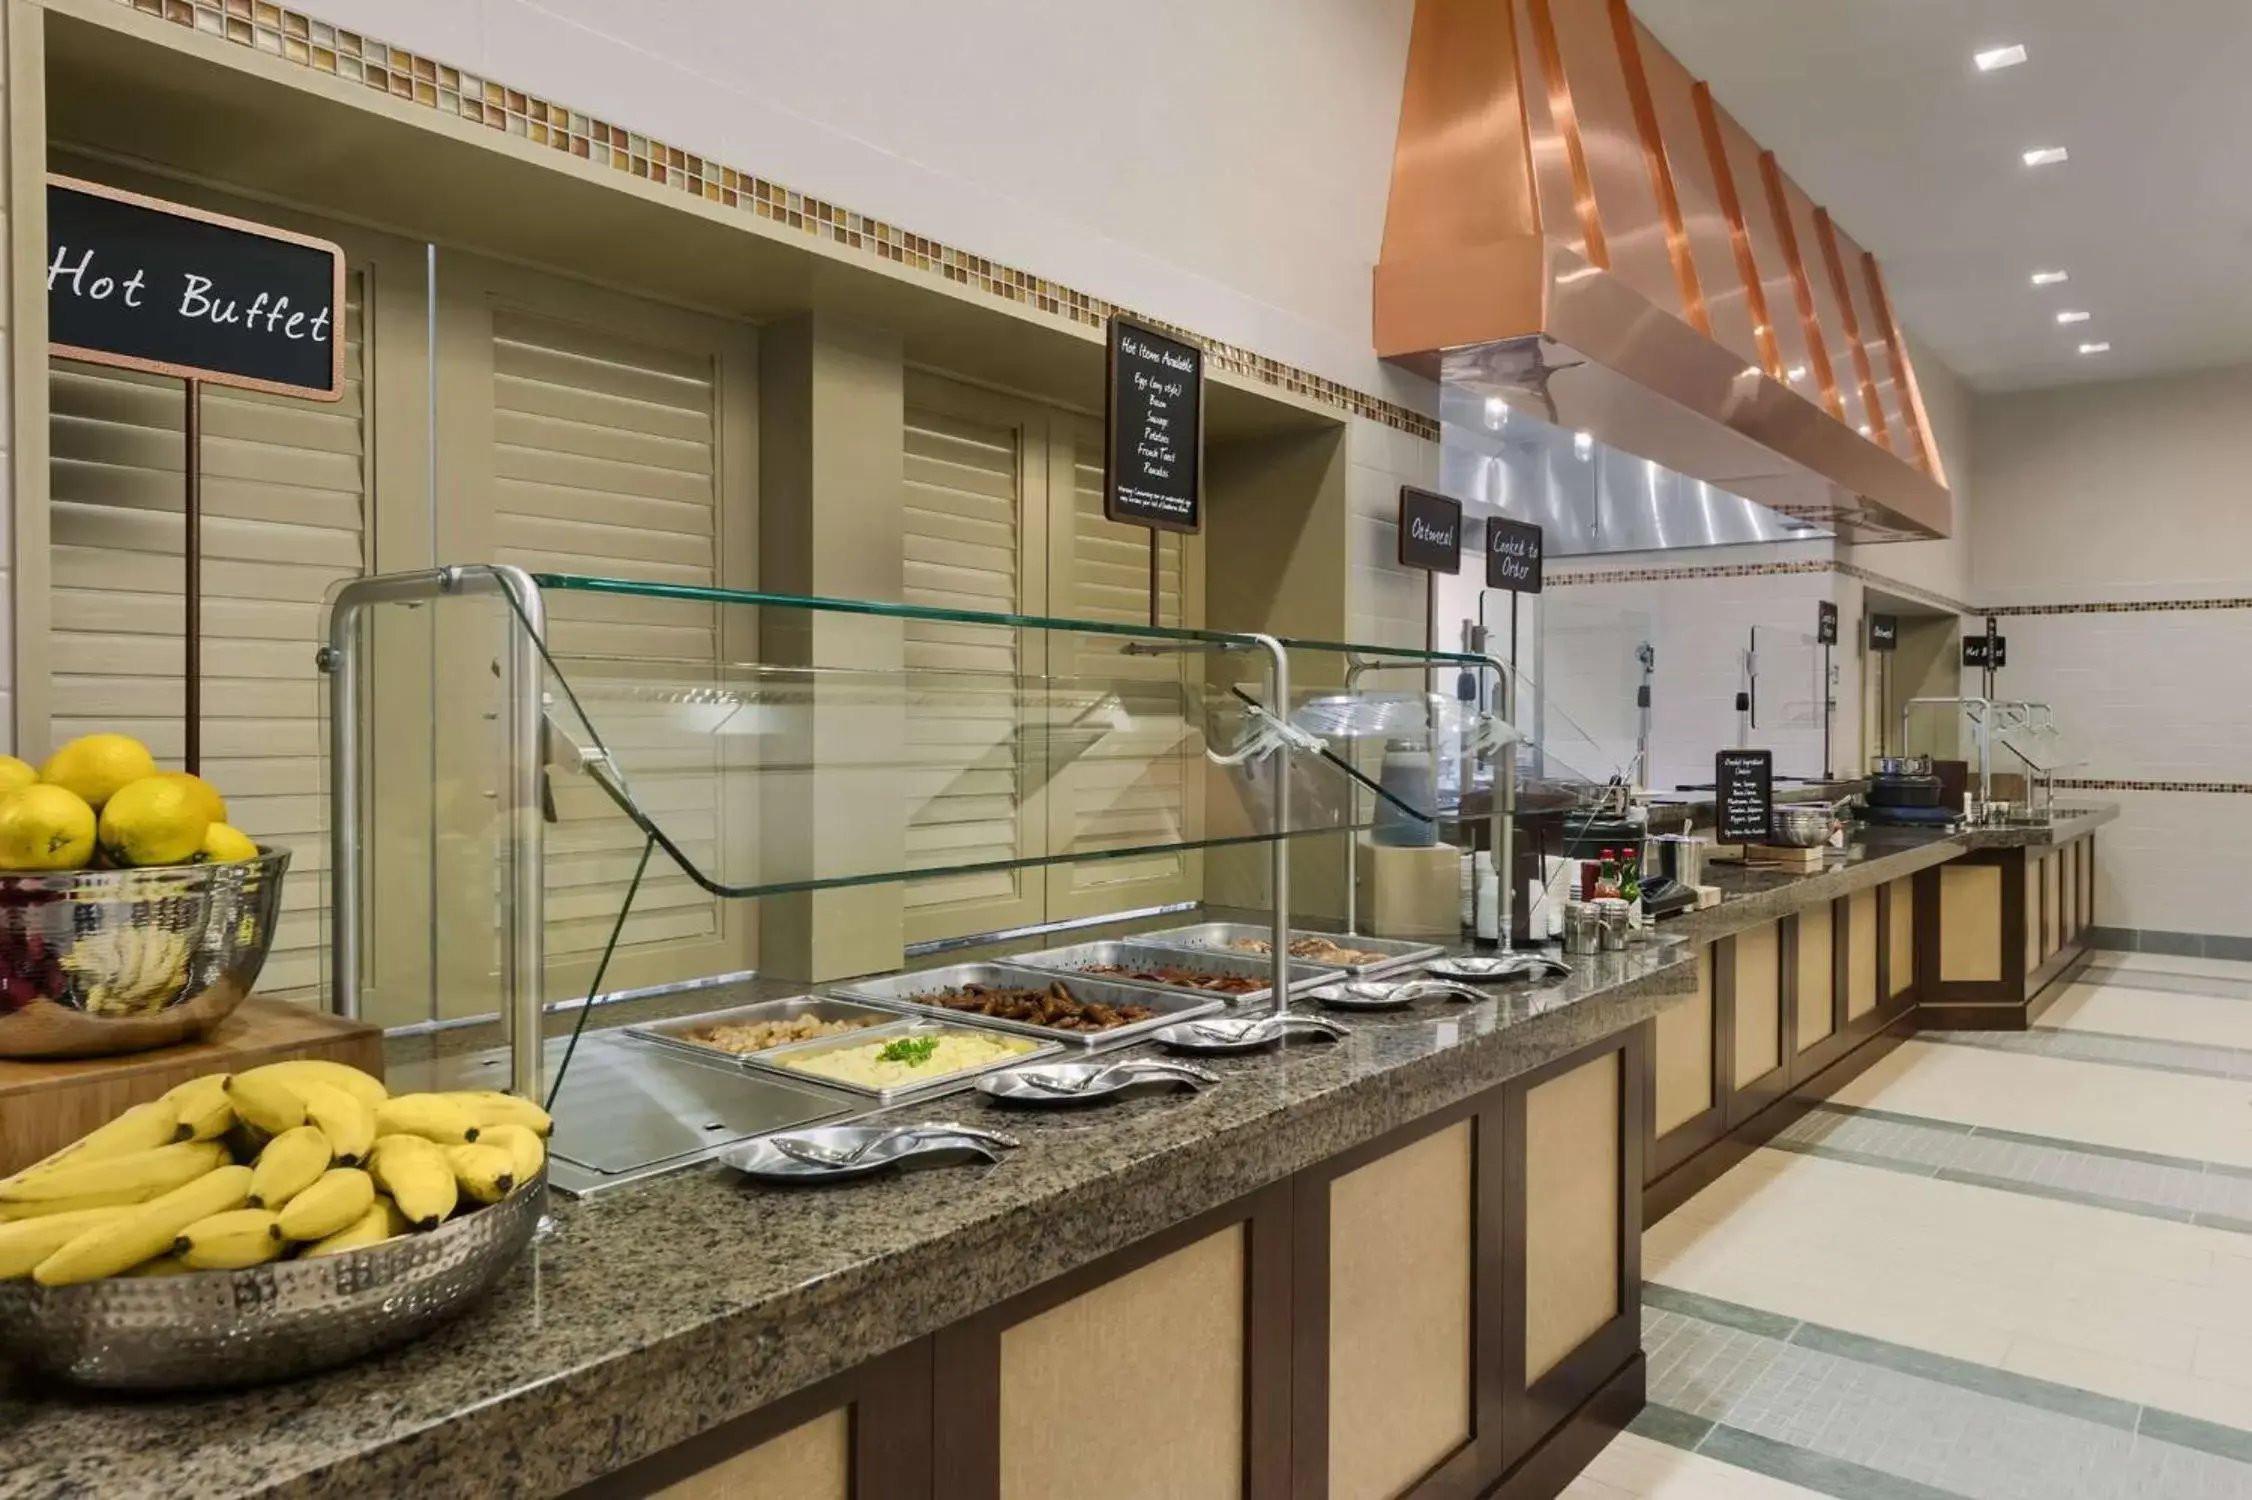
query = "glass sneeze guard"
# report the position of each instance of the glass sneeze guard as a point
(753, 744)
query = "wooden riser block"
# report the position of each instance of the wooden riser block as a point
(45, 1104)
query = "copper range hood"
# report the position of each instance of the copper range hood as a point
(1578, 228)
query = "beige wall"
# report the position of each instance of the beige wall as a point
(2133, 493)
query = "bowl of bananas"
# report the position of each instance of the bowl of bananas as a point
(263, 1225)
(94, 962)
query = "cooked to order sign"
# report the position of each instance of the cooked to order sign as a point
(150, 285)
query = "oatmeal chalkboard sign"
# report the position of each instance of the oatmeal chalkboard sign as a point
(1430, 531)
(149, 285)
(1512, 556)
(1884, 632)
(1153, 471)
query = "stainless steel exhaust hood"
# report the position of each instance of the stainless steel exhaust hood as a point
(1577, 230)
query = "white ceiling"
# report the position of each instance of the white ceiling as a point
(1878, 113)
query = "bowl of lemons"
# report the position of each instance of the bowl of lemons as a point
(262, 1225)
(132, 913)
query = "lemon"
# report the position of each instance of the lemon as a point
(214, 805)
(224, 845)
(95, 766)
(153, 821)
(45, 828)
(16, 773)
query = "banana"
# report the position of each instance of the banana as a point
(418, 1177)
(365, 1087)
(144, 1127)
(485, 1173)
(26, 1243)
(265, 1102)
(230, 1241)
(434, 1117)
(148, 1231)
(348, 1123)
(342, 1196)
(163, 1265)
(132, 1178)
(524, 1149)
(489, 1108)
(292, 1162)
(204, 1111)
(381, 1222)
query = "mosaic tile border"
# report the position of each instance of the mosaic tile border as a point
(2116, 784)
(2134, 607)
(358, 58)
(1690, 571)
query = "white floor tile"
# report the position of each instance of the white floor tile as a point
(2161, 1015)
(1636, 1468)
(2174, 1114)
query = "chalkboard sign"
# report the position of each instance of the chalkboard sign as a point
(1744, 795)
(1884, 632)
(1512, 556)
(1825, 623)
(1986, 651)
(1430, 531)
(150, 285)
(1153, 473)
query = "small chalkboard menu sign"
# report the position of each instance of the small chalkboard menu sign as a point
(1512, 556)
(1153, 470)
(1986, 651)
(1884, 632)
(1744, 796)
(1825, 623)
(1430, 531)
(149, 285)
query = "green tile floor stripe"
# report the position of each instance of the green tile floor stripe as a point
(1815, 1471)
(2008, 1385)
(1675, 1429)
(1713, 1310)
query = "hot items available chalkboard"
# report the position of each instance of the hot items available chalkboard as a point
(156, 286)
(1513, 554)
(1430, 531)
(1744, 795)
(1154, 459)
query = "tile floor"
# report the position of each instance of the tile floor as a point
(1992, 1267)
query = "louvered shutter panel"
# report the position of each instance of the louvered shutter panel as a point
(1132, 789)
(965, 788)
(284, 497)
(605, 462)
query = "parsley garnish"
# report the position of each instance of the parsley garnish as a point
(911, 1050)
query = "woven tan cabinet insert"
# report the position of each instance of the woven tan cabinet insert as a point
(1399, 1315)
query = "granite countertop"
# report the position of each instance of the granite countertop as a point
(660, 1310)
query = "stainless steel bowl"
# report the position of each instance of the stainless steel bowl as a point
(211, 1329)
(1800, 827)
(101, 961)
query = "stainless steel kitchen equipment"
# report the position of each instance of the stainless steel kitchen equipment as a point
(781, 1061)
(840, 1153)
(1583, 929)
(900, 991)
(273, 1322)
(1133, 954)
(1801, 825)
(684, 1031)
(1049, 1085)
(1220, 1035)
(1223, 937)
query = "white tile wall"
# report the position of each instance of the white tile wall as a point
(1384, 603)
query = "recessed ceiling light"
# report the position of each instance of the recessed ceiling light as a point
(1583, 443)
(2046, 156)
(2072, 315)
(1999, 57)
(2050, 278)
(2095, 348)
(1497, 411)
(1795, 372)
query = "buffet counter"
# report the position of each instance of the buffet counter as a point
(1405, 1262)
